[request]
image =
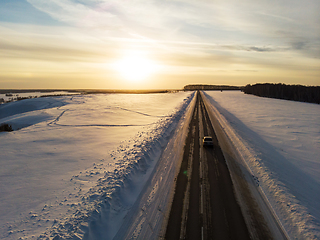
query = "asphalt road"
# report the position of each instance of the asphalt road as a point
(204, 205)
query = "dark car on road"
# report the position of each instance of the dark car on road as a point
(207, 141)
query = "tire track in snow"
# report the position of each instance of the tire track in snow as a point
(55, 121)
(57, 118)
(145, 114)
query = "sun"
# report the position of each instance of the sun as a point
(135, 66)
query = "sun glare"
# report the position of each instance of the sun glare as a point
(135, 66)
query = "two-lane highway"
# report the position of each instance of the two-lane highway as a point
(204, 204)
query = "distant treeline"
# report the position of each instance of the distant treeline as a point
(283, 91)
(86, 91)
(4, 91)
(94, 91)
(193, 87)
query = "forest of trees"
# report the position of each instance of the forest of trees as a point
(282, 91)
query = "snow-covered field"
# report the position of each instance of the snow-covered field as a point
(283, 138)
(71, 157)
(69, 152)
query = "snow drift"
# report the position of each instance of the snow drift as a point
(278, 141)
(77, 160)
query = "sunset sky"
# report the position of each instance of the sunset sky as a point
(157, 44)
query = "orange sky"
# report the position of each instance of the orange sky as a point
(157, 44)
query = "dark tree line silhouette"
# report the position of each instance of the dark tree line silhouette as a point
(4, 127)
(300, 93)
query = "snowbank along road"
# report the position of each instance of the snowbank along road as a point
(204, 204)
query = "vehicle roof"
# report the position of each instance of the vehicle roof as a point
(207, 137)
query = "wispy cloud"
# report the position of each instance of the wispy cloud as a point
(247, 22)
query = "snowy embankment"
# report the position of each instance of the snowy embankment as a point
(278, 142)
(147, 218)
(76, 166)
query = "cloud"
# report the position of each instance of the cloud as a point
(260, 49)
(48, 53)
(228, 20)
(220, 35)
(56, 44)
(299, 45)
(20, 11)
(223, 22)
